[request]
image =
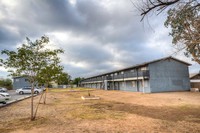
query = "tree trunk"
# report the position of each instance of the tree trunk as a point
(45, 95)
(32, 92)
(38, 105)
(46, 89)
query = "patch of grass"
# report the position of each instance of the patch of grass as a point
(186, 107)
(65, 111)
(5, 130)
(85, 89)
(70, 89)
(58, 90)
(86, 112)
(22, 123)
(169, 113)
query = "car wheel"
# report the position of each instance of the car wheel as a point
(36, 92)
(21, 92)
(4, 102)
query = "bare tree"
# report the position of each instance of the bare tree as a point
(184, 20)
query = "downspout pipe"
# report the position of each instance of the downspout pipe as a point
(123, 85)
(137, 79)
(113, 81)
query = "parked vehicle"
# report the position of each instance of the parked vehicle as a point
(2, 99)
(5, 95)
(27, 90)
(3, 89)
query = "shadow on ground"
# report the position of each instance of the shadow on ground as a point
(178, 113)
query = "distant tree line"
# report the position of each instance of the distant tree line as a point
(6, 83)
(76, 81)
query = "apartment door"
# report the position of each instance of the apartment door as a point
(140, 86)
(116, 85)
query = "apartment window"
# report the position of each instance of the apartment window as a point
(122, 72)
(115, 73)
(133, 83)
(16, 80)
(26, 80)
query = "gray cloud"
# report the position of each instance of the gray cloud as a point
(111, 33)
(89, 53)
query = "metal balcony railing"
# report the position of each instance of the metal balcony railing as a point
(120, 76)
(144, 74)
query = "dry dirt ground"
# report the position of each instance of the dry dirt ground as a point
(116, 111)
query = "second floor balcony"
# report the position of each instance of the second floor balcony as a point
(139, 74)
(143, 74)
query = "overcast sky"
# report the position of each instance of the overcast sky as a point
(97, 35)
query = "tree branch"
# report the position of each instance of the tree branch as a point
(158, 3)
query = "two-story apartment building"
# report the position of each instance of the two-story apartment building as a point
(165, 74)
(20, 81)
(195, 81)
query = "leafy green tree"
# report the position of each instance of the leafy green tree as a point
(29, 60)
(7, 83)
(76, 81)
(49, 74)
(185, 24)
(53, 73)
(184, 21)
(63, 78)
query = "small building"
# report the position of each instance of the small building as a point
(20, 81)
(195, 81)
(162, 75)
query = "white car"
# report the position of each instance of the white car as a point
(3, 89)
(5, 95)
(27, 90)
(2, 99)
